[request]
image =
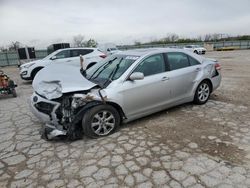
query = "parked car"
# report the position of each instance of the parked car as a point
(121, 88)
(108, 48)
(195, 49)
(67, 55)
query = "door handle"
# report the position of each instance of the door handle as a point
(197, 69)
(164, 78)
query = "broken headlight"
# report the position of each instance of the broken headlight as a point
(78, 100)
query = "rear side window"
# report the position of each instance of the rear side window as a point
(177, 60)
(78, 52)
(193, 61)
(152, 65)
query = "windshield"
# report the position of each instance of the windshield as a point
(110, 69)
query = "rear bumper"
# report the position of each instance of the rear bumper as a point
(216, 80)
(202, 52)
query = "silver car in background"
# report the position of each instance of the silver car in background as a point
(123, 87)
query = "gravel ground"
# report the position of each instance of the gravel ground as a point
(186, 146)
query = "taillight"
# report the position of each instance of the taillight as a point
(217, 66)
(103, 56)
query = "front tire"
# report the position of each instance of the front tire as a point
(202, 93)
(101, 120)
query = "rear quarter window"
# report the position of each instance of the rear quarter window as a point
(193, 61)
(177, 60)
(77, 52)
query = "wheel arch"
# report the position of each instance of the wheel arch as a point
(92, 104)
(35, 70)
(210, 83)
(118, 108)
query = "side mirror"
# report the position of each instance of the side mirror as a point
(53, 58)
(136, 76)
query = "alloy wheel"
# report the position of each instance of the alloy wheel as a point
(203, 92)
(103, 123)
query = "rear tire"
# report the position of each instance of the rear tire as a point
(202, 93)
(99, 121)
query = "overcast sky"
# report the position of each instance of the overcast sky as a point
(42, 22)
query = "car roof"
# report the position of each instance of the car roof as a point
(151, 51)
(147, 51)
(78, 48)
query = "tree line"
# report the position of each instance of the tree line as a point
(174, 38)
(79, 40)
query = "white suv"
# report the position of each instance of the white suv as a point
(65, 56)
(195, 49)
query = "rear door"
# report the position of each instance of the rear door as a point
(75, 56)
(183, 71)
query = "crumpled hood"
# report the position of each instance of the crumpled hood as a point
(67, 77)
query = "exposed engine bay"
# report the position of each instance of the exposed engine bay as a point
(64, 114)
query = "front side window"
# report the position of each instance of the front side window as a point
(152, 65)
(110, 69)
(177, 60)
(63, 54)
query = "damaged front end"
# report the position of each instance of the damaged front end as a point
(61, 98)
(62, 116)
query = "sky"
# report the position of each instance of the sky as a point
(40, 23)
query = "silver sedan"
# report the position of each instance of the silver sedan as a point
(123, 87)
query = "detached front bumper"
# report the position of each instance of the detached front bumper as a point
(44, 109)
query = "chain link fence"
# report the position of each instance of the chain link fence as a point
(12, 58)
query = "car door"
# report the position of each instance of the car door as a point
(182, 74)
(92, 55)
(86, 53)
(62, 57)
(150, 94)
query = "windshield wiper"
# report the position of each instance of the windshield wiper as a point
(101, 70)
(112, 74)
